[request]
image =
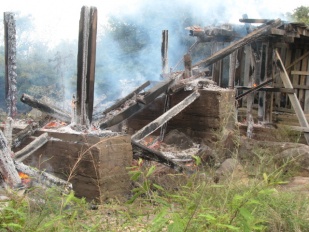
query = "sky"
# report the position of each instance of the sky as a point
(56, 20)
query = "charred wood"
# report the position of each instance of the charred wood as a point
(164, 52)
(260, 86)
(31, 148)
(129, 96)
(254, 20)
(43, 177)
(86, 64)
(156, 91)
(10, 63)
(157, 123)
(141, 151)
(46, 108)
(239, 43)
(7, 167)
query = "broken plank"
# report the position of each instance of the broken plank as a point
(46, 108)
(31, 148)
(157, 123)
(239, 43)
(123, 115)
(130, 95)
(156, 91)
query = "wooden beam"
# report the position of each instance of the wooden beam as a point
(86, 58)
(157, 123)
(254, 20)
(129, 96)
(10, 63)
(253, 89)
(46, 108)
(240, 43)
(293, 98)
(156, 91)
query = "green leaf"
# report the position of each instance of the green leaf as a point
(246, 214)
(197, 159)
(151, 170)
(158, 187)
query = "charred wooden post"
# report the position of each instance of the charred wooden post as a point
(218, 65)
(240, 43)
(8, 130)
(31, 147)
(10, 63)
(154, 125)
(43, 177)
(7, 167)
(129, 96)
(86, 64)
(46, 108)
(188, 66)
(164, 52)
(293, 98)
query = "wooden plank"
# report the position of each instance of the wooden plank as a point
(86, 58)
(297, 60)
(157, 123)
(293, 98)
(254, 20)
(267, 89)
(302, 81)
(275, 31)
(299, 128)
(157, 90)
(295, 77)
(304, 73)
(238, 44)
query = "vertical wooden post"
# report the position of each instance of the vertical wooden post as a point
(164, 52)
(232, 69)
(262, 77)
(306, 107)
(302, 82)
(86, 59)
(217, 66)
(10, 63)
(188, 65)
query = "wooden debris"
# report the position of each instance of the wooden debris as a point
(46, 108)
(31, 148)
(164, 52)
(238, 44)
(154, 125)
(254, 20)
(7, 167)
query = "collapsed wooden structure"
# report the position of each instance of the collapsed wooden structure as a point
(272, 59)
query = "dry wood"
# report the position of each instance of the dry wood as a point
(293, 98)
(7, 167)
(188, 65)
(232, 69)
(129, 96)
(305, 73)
(10, 63)
(46, 108)
(86, 60)
(157, 123)
(31, 148)
(43, 177)
(240, 43)
(297, 60)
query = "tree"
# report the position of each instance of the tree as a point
(300, 14)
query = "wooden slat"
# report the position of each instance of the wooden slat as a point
(304, 73)
(297, 60)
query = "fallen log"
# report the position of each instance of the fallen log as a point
(129, 96)
(157, 123)
(239, 44)
(46, 108)
(141, 151)
(43, 177)
(7, 167)
(31, 147)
